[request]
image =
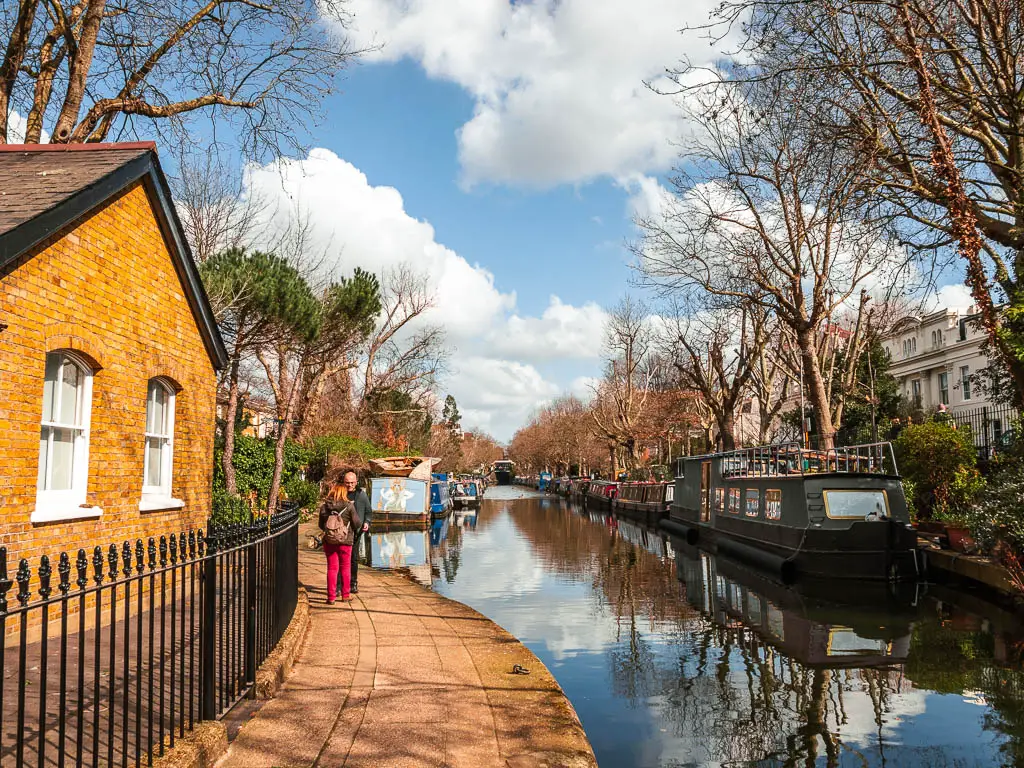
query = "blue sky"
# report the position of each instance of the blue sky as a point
(502, 148)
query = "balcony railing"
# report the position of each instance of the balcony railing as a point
(788, 459)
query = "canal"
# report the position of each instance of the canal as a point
(673, 657)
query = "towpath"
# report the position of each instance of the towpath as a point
(404, 677)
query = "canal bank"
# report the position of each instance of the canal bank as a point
(405, 677)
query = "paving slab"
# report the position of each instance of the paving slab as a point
(404, 677)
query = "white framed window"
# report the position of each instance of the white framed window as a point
(965, 382)
(944, 388)
(64, 440)
(158, 461)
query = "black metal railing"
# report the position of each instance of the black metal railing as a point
(119, 654)
(991, 427)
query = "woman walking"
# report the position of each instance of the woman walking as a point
(339, 521)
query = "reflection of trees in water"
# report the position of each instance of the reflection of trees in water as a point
(727, 694)
(956, 662)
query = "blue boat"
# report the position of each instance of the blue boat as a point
(543, 481)
(466, 493)
(440, 498)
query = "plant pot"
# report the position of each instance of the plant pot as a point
(959, 538)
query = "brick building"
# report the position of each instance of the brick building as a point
(108, 352)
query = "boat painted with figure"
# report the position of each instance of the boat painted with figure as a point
(834, 513)
(400, 489)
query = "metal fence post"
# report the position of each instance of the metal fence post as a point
(208, 632)
(250, 600)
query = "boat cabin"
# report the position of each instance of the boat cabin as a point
(836, 512)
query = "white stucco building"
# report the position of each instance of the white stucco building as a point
(934, 358)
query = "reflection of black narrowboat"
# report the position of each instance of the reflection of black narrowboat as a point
(835, 513)
(647, 501)
(867, 626)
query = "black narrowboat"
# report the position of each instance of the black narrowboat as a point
(833, 513)
(647, 501)
(601, 493)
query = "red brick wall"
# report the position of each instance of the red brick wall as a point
(106, 287)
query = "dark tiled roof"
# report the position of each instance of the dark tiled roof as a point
(34, 179)
(44, 188)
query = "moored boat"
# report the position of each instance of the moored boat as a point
(503, 472)
(835, 513)
(647, 500)
(601, 493)
(466, 493)
(400, 488)
(440, 496)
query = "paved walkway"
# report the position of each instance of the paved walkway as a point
(404, 677)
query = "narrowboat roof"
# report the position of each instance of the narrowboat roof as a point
(794, 459)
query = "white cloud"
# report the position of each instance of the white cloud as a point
(562, 331)
(558, 85)
(354, 223)
(358, 224)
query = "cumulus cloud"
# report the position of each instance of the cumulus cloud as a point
(559, 85)
(562, 331)
(354, 223)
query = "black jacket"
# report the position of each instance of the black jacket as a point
(363, 507)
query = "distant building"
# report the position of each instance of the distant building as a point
(935, 358)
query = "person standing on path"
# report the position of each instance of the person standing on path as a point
(339, 552)
(365, 512)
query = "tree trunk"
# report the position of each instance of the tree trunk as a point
(78, 74)
(230, 415)
(726, 429)
(16, 46)
(282, 437)
(816, 391)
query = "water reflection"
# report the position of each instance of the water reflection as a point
(674, 657)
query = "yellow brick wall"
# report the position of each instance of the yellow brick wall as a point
(106, 287)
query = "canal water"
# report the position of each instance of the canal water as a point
(673, 657)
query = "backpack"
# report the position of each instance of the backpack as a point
(336, 530)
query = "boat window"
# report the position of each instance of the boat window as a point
(719, 500)
(753, 502)
(773, 504)
(843, 641)
(734, 501)
(856, 505)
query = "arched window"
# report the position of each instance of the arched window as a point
(935, 339)
(913, 345)
(63, 437)
(159, 439)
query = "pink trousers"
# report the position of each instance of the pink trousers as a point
(338, 556)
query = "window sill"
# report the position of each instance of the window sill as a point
(52, 513)
(154, 503)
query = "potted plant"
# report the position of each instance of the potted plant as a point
(958, 529)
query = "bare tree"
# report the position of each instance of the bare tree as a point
(930, 90)
(399, 356)
(217, 210)
(96, 68)
(717, 357)
(769, 215)
(620, 398)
